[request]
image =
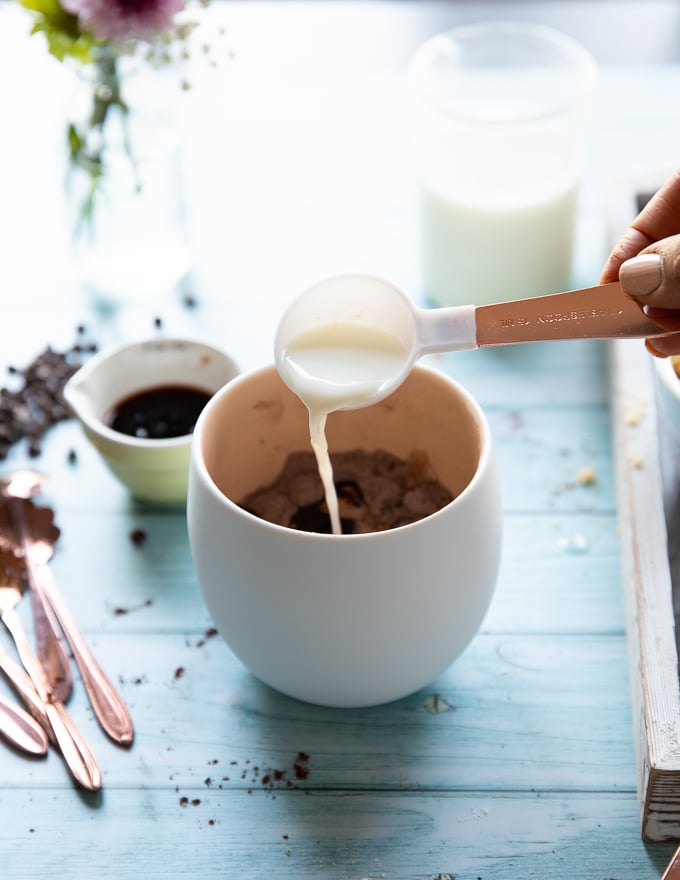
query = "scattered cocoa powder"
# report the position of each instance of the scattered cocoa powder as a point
(301, 766)
(120, 610)
(35, 402)
(267, 779)
(185, 802)
(210, 633)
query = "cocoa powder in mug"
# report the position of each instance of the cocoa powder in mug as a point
(376, 491)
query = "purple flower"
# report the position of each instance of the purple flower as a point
(121, 20)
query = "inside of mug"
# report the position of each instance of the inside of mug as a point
(250, 430)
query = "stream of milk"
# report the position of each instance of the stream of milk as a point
(337, 366)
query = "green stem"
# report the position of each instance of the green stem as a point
(86, 150)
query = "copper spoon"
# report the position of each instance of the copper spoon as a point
(108, 706)
(49, 642)
(17, 676)
(19, 728)
(75, 750)
(672, 871)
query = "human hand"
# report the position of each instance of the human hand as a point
(647, 263)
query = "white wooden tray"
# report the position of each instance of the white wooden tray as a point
(647, 458)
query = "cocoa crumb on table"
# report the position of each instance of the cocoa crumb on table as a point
(119, 610)
(210, 633)
(138, 537)
(301, 766)
(271, 779)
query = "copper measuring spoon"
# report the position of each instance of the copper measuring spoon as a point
(314, 323)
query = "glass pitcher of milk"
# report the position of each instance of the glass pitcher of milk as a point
(502, 113)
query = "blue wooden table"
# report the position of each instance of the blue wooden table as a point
(518, 761)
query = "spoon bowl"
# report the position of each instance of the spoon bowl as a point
(25, 483)
(342, 307)
(20, 524)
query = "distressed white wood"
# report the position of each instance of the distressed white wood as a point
(649, 591)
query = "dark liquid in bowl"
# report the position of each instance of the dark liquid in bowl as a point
(158, 413)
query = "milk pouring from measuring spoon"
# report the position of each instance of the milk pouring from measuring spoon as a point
(338, 366)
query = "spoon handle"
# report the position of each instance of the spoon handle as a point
(75, 750)
(50, 646)
(108, 705)
(21, 729)
(601, 312)
(23, 686)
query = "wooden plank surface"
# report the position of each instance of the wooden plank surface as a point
(519, 761)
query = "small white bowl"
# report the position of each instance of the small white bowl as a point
(154, 470)
(668, 390)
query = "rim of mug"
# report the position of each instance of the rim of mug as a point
(484, 460)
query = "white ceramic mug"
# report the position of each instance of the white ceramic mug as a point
(344, 620)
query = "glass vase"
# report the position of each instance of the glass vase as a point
(124, 183)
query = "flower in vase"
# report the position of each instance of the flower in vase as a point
(114, 46)
(118, 21)
(99, 37)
